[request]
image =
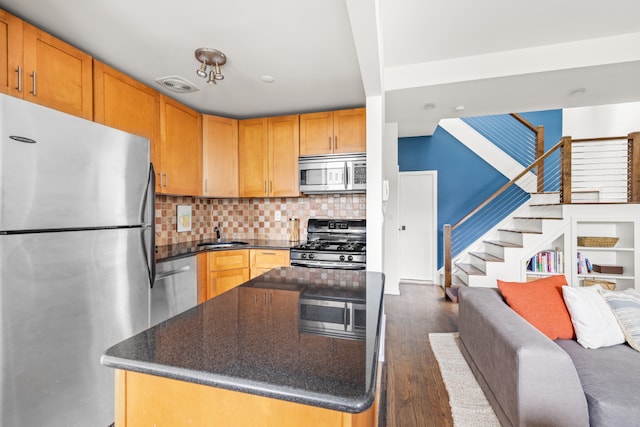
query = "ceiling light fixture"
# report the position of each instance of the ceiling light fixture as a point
(459, 109)
(210, 62)
(429, 106)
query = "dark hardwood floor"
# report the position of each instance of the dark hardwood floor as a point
(415, 393)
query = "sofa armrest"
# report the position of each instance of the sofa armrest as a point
(528, 379)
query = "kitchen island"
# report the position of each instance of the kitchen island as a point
(256, 355)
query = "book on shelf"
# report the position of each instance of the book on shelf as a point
(584, 266)
(551, 261)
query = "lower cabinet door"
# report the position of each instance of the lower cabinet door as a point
(222, 281)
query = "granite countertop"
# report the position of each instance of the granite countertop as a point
(180, 250)
(248, 340)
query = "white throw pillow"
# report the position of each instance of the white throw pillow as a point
(592, 318)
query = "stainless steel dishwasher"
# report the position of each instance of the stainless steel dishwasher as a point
(175, 288)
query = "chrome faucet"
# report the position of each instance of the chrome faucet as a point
(218, 231)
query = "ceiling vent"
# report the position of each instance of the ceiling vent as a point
(177, 84)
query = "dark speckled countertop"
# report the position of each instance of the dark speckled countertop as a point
(180, 250)
(248, 340)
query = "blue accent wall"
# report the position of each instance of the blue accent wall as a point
(464, 179)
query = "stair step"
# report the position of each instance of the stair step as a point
(502, 244)
(545, 204)
(520, 231)
(486, 257)
(471, 270)
(546, 192)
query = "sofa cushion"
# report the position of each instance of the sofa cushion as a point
(540, 302)
(609, 378)
(626, 308)
(592, 318)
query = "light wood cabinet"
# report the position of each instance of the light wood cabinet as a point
(263, 260)
(42, 69)
(56, 74)
(180, 159)
(147, 400)
(219, 157)
(333, 132)
(126, 104)
(227, 269)
(11, 49)
(268, 150)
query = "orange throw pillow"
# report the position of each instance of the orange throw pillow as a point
(540, 302)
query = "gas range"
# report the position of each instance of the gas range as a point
(339, 244)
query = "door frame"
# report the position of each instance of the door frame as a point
(434, 204)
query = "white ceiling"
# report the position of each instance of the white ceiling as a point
(494, 56)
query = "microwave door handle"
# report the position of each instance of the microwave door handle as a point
(346, 175)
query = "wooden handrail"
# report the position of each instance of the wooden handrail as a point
(507, 185)
(524, 121)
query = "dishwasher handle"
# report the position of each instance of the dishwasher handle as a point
(165, 274)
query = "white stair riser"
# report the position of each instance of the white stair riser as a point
(544, 198)
(528, 224)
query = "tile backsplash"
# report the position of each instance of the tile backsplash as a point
(251, 218)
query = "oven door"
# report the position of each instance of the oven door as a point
(342, 319)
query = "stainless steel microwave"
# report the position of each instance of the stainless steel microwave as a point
(333, 174)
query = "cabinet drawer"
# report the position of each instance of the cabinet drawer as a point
(228, 260)
(269, 258)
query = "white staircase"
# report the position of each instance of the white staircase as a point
(501, 253)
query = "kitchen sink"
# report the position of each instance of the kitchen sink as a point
(222, 244)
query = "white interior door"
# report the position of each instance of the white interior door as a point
(418, 226)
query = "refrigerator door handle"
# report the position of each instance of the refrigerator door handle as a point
(149, 198)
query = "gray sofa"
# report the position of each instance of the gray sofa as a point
(531, 380)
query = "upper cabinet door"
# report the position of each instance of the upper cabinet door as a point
(350, 131)
(11, 48)
(181, 149)
(219, 157)
(126, 104)
(333, 132)
(57, 74)
(283, 155)
(253, 157)
(316, 133)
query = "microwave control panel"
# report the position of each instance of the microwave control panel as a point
(360, 173)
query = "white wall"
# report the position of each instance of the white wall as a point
(375, 127)
(601, 120)
(390, 209)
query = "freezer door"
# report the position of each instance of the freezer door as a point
(60, 171)
(64, 299)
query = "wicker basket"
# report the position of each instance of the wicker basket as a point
(604, 283)
(597, 242)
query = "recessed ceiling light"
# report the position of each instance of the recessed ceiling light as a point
(429, 106)
(459, 108)
(267, 78)
(577, 92)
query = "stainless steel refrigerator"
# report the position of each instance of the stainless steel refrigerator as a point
(76, 259)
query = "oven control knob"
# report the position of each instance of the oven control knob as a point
(303, 256)
(311, 256)
(341, 257)
(350, 258)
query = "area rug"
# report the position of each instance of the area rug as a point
(469, 406)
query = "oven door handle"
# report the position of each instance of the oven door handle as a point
(320, 264)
